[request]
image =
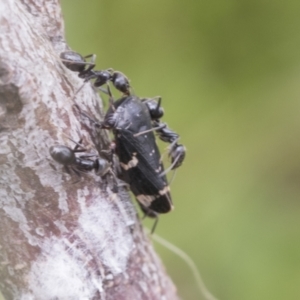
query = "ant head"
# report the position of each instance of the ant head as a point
(154, 107)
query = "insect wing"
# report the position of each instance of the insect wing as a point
(140, 158)
(140, 164)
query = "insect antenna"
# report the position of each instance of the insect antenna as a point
(191, 264)
(156, 98)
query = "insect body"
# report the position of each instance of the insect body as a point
(139, 156)
(66, 156)
(133, 122)
(76, 62)
(176, 151)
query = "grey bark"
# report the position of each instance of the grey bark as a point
(60, 240)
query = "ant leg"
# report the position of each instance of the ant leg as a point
(75, 94)
(93, 58)
(166, 134)
(103, 90)
(77, 146)
(96, 124)
(67, 169)
(111, 98)
(91, 65)
(78, 175)
(174, 165)
(155, 224)
(177, 154)
(152, 129)
(113, 181)
(76, 172)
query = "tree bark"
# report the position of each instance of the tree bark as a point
(60, 239)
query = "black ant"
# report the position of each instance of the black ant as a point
(176, 151)
(66, 156)
(77, 63)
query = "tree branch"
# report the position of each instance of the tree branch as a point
(60, 240)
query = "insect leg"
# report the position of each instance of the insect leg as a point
(176, 151)
(151, 214)
(91, 65)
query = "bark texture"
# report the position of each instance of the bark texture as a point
(60, 240)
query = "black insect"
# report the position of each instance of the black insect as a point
(176, 151)
(66, 156)
(154, 106)
(133, 122)
(76, 62)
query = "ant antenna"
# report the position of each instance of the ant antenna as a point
(173, 177)
(170, 168)
(152, 129)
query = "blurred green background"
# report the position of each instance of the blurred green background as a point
(228, 73)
